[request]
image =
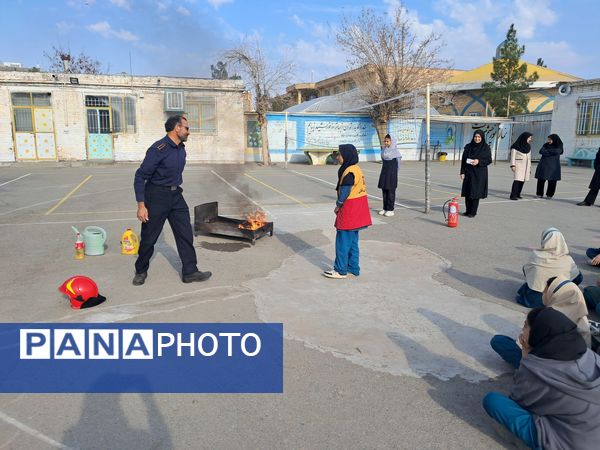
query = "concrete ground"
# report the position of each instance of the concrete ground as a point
(396, 358)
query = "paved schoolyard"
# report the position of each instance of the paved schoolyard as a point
(397, 357)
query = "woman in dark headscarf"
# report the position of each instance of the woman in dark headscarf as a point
(548, 168)
(554, 402)
(473, 171)
(352, 213)
(520, 163)
(388, 179)
(594, 184)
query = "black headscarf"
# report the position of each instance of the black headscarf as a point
(521, 143)
(350, 155)
(552, 335)
(475, 147)
(556, 142)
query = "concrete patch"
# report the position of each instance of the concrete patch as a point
(394, 318)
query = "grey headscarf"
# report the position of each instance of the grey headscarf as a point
(391, 152)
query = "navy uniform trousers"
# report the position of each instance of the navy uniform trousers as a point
(166, 204)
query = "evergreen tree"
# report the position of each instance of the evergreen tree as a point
(219, 72)
(540, 62)
(505, 93)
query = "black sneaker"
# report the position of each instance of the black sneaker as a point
(140, 278)
(583, 204)
(514, 198)
(196, 276)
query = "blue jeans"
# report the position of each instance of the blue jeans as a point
(592, 252)
(508, 349)
(533, 299)
(517, 420)
(346, 252)
(591, 294)
(528, 297)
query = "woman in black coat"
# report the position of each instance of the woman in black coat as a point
(548, 168)
(474, 173)
(594, 184)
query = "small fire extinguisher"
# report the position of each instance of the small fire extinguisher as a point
(452, 217)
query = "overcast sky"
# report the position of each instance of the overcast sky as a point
(183, 38)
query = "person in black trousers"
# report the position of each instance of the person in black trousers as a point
(548, 168)
(158, 194)
(474, 173)
(388, 179)
(594, 184)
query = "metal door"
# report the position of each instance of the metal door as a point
(99, 134)
(540, 130)
(44, 133)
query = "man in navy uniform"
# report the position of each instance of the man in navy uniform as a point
(158, 195)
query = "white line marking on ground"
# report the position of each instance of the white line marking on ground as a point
(16, 179)
(241, 193)
(369, 195)
(56, 199)
(30, 431)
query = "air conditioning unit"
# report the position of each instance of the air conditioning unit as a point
(174, 101)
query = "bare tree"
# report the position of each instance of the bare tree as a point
(81, 63)
(392, 60)
(265, 78)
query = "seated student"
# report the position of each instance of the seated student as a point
(594, 255)
(554, 402)
(591, 294)
(552, 259)
(561, 294)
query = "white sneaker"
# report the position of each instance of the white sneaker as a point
(333, 274)
(382, 212)
(389, 214)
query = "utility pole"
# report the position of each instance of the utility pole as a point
(286, 140)
(427, 144)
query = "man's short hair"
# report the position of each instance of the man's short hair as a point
(172, 121)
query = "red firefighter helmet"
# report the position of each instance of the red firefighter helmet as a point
(82, 291)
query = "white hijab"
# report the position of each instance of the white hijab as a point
(552, 259)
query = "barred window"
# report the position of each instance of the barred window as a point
(588, 117)
(23, 120)
(123, 114)
(96, 100)
(24, 104)
(202, 114)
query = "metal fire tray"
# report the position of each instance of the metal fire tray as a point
(208, 221)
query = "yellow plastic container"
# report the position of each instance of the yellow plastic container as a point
(442, 157)
(129, 243)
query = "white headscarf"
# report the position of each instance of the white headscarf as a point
(565, 296)
(391, 152)
(550, 260)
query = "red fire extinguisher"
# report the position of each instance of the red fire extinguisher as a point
(452, 217)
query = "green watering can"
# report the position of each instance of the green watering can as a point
(94, 239)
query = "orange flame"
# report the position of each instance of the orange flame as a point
(254, 221)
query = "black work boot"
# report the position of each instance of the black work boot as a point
(140, 278)
(196, 276)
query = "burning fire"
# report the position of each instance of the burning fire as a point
(254, 221)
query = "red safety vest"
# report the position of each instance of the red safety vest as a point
(355, 212)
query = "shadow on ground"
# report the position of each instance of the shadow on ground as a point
(466, 406)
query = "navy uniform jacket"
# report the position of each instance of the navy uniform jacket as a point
(163, 166)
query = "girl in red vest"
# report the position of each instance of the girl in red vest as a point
(352, 213)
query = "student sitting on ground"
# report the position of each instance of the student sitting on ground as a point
(591, 294)
(594, 255)
(552, 259)
(554, 401)
(562, 295)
